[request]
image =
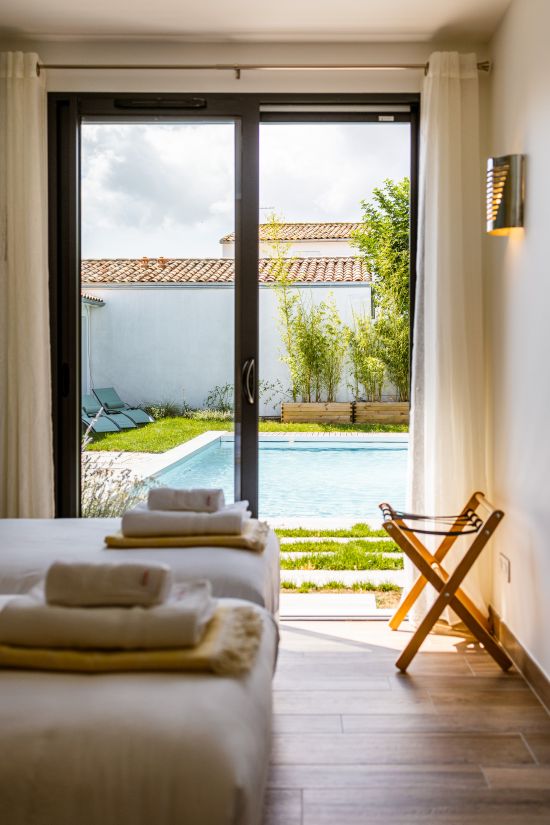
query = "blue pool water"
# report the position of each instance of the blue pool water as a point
(304, 478)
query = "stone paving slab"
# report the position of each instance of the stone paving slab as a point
(329, 605)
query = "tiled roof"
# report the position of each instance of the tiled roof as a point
(303, 232)
(217, 271)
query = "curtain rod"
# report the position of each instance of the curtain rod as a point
(484, 66)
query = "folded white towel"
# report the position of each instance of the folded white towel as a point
(30, 622)
(113, 585)
(196, 500)
(141, 522)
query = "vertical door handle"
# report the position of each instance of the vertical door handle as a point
(249, 380)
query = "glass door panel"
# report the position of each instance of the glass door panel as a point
(318, 185)
(158, 293)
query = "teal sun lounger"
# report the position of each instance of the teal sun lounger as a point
(91, 407)
(112, 403)
(99, 425)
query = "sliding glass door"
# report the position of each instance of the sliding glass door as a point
(334, 310)
(154, 258)
(158, 293)
(154, 226)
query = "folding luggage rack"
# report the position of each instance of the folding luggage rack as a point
(404, 528)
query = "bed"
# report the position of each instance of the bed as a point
(29, 546)
(137, 748)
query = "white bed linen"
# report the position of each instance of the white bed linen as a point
(29, 546)
(139, 748)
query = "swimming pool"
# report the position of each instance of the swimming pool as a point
(324, 476)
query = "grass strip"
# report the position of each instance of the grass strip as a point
(359, 530)
(336, 546)
(342, 559)
(166, 433)
(340, 587)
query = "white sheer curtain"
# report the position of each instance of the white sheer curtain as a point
(26, 467)
(447, 449)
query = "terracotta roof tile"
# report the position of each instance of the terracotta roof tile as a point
(93, 299)
(303, 232)
(217, 271)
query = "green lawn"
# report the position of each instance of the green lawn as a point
(359, 530)
(342, 559)
(166, 433)
(328, 546)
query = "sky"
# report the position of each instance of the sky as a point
(168, 189)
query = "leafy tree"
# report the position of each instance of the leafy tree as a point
(313, 334)
(383, 242)
(367, 368)
(335, 345)
(279, 268)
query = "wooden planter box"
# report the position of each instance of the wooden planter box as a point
(381, 412)
(324, 412)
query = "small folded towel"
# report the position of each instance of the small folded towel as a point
(30, 622)
(107, 585)
(140, 521)
(253, 537)
(196, 500)
(228, 648)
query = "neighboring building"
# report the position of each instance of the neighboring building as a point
(166, 329)
(306, 240)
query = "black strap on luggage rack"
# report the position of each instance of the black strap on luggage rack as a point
(461, 525)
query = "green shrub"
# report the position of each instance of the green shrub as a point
(220, 399)
(212, 415)
(162, 409)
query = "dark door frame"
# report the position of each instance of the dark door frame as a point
(65, 114)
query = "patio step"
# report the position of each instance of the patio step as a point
(328, 606)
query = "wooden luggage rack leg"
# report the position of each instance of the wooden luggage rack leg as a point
(448, 586)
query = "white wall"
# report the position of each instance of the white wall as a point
(167, 343)
(519, 330)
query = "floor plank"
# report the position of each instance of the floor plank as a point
(498, 720)
(376, 776)
(351, 701)
(283, 807)
(412, 806)
(401, 748)
(526, 776)
(539, 744)
(306, 723)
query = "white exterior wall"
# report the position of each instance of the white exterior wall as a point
(170, 343)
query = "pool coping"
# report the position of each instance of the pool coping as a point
(162, 461)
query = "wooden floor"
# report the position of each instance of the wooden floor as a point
(355, 742)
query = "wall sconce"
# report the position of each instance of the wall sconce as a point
(505, 193)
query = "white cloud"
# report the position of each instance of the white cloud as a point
(168, 189)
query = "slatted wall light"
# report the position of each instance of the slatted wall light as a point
(505, 193)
